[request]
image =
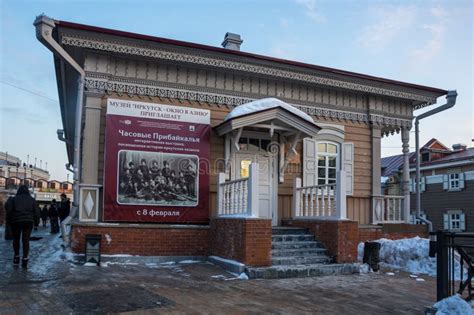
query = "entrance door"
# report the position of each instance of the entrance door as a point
(267, 188)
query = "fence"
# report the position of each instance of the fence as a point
(389, 209)
(238, 197)
(454, 263)
(320, 201)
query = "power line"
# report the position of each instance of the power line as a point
(29, 91)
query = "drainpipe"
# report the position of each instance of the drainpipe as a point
(450, 102)
(44, 33)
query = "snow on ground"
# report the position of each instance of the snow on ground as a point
(242, 276)
(409, 254)
(453, 305)
(190, 261)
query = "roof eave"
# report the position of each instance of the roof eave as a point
(435, 91)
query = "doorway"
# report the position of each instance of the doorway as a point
(267, 203)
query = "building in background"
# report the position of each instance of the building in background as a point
(14, 172)
(446, 184)
(12, 166)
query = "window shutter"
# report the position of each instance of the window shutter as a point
(310, 166)
(445, 182)
(446, 221)
(422, 184)
(462, 222)
(461, 181)
(348, 166)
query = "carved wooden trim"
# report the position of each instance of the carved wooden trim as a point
(123, 47)
(132, 87)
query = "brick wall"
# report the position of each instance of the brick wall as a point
(248, 241)
(145, 240)
(341, 238)
(392, 231)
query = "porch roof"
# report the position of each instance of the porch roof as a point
(272, 114)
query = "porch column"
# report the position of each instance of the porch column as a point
(377, 198)
(91, 136)
(406, 172)
(376, 157)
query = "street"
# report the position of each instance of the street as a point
(54, 283)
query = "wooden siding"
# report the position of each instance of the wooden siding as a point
(359, 209)
(435, 201)
(359, 205)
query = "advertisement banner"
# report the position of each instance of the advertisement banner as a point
(156, 163)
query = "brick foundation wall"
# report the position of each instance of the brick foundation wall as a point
(392, 231)
(144, 239)
(341, 238)
(248, 241)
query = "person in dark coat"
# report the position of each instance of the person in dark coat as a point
(44, 215)
(64, 207)
(53, 217)
(22, 212)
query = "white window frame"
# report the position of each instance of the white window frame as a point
(326, 156)
(456, 220)
(454, 181)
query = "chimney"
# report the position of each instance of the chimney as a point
(232, 41)
(459, 147)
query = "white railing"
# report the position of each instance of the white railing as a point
(389, 209)
(239, 197)
(320, 201)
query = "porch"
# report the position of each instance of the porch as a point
(322, 183)
(277, 156)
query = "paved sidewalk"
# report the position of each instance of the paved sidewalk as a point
(55, 284)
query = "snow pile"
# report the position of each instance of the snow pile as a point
(453, 305)
(264, 104)
(409, 254)
(364, 268)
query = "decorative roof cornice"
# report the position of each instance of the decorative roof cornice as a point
(128, 48)
(143, 88)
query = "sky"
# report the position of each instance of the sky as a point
(423, 42)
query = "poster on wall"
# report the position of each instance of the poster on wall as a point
(156, 163)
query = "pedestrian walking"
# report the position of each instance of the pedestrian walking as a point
(22, 212)
(64, 207)
(53, 217)
(44, 215)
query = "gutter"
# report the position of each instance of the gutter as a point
(450, 102)
(44, 33)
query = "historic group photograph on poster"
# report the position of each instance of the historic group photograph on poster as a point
(156, 159)
(158, 179)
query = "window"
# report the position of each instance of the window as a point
(253, 144)
(425, 157)
(327, 162)
(454, 181)
(454, 220)
(245, 168)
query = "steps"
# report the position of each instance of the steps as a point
(295, 253)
